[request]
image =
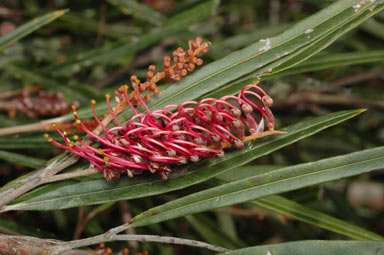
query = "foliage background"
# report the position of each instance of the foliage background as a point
(97, 45)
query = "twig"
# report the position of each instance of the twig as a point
(354, 79)
(33, 246)
(101, 27)
(56, 247)
(126, 216)
(7, 231)
(139, 238)
(80, 223)
(41, 125)
(9, 94)
(319, 98)
(35, 180)
(60, 177)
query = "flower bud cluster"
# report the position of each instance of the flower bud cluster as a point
(177, 134)
(183, 61)
(43, 104)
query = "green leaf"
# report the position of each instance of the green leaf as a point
(286, 50)
(78, 22)
(50, 84)
(28, 141)
(327, 39)
(374, 27)
(300, 212)
(274, 182)
(207, 228)
(276, 53)
(123, 47)
(101, 191)
(329, 61)
(317, 247)
(28, 28)
(305, 214)
(140, 11)
(21, 159)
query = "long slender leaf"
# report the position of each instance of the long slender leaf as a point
(306, 214)
(208, 230)
(274, 182)
(295, 210)
(283, 51)
(317, 247)
(27, 142)
(50, 84)
(100, 191)
(140, 11)
(329, 61)
(315, 63)
(122, 48)
(28, 28)
(263, 56)
(21, 159)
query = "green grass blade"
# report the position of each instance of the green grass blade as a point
(314, 247)
(28, 28)
(101, 191)
(275, 182)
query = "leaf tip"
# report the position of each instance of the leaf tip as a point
(362, 110)
(62, 12)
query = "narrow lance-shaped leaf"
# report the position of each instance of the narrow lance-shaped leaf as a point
(101, 191)
(295, 210)
(140, 11)
(270, 53)
(314, 247)
(21, 159)
(261, 56)
(329, 61)
(315, 63)
(346, 21)
(274, 182)
(311, 216)
(28, 28)
(122, 47)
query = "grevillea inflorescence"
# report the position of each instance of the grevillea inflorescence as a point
(177, 134)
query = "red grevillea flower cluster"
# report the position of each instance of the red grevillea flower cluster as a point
(155, 140)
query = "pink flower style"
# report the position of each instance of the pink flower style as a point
(176, 134)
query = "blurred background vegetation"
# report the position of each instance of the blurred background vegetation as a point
(97, 45)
